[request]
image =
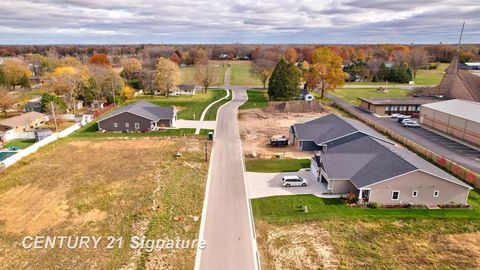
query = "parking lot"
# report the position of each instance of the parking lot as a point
(261, 185)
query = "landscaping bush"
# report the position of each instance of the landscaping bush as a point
(374, 205)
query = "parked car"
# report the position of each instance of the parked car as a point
(411, 124)
(294, 181)
(396, 115)
(407, 120)
(402, 117)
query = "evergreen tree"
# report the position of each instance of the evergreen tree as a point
(284, 82)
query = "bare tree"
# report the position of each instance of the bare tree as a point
(149, 78)
(206, 74)
(262, 69)
(417, 59)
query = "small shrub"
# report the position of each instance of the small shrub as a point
(374, 205)
(351, 198)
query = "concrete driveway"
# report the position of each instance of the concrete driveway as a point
(195, 124)
(261, 185)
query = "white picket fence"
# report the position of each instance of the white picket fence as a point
(34, 147)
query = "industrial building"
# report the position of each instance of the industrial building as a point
(458, 118)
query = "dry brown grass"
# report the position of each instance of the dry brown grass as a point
(370, 244)
(103, 187)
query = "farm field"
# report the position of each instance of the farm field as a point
(334, 236)
(188, 107)
(351, 95)
(240, 75)
(100, 187)
(187, 75)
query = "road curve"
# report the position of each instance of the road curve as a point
(227, 228)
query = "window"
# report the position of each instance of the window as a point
(395, 195)
(127, 125)
(137, 126)
(436, 193)
(115, 124)
(414, 193)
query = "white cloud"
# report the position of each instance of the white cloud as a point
(308, 21)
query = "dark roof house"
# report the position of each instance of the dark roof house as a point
(139, 116)
(311, 135)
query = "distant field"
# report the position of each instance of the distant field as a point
(98, 187)
(351, 95)
(256, 99)
(333, 235)
(240, 75)
(188, 75)
(431, 76)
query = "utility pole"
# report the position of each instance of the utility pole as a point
(206, 151)
(54, 117)
(460, 40)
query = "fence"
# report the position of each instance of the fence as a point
(449, 165)
(34, 147)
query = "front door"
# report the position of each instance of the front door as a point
(365, 195)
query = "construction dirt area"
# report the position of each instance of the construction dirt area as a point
(257, 126)
(104, 187)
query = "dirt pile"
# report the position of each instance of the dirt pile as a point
(295, 106)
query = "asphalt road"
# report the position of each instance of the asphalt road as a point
(227, 228)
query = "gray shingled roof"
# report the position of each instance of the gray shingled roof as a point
(144, 109)
(323, 129)
(366, 160)
(330, 127)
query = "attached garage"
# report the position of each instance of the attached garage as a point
(457, 118)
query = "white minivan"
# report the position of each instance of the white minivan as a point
(294, 181)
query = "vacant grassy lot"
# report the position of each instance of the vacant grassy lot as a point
(188, 107)
(240, 75)
(212, 112)
(102, 188)
(431, 76)
(20, 143)
(276, 165)
(187, 75)
(256, 99)
(352, 94)
(335, 236)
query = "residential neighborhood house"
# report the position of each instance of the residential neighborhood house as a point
(382, 172)
(141, 116)
(23, 122)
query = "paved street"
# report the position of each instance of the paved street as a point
(195, 124)
(261, 185)
(227, 228)
(464, 155)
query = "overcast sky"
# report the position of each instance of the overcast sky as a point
(223, 21)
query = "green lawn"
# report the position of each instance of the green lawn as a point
(430, 76)
(256, 99)
(90, 131)
(212, 112)
(240, 75)
(189, 107)
(351, 95)
(20, 143)
(276, 165)
(187, 75)
(285, 208)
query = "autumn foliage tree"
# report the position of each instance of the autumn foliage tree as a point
(15, 72)
(132, 67)
(325, 73)
(69, 82)
(168, 75)
(100, 59)
(417, 59)
(291, 55)
(176, 58)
